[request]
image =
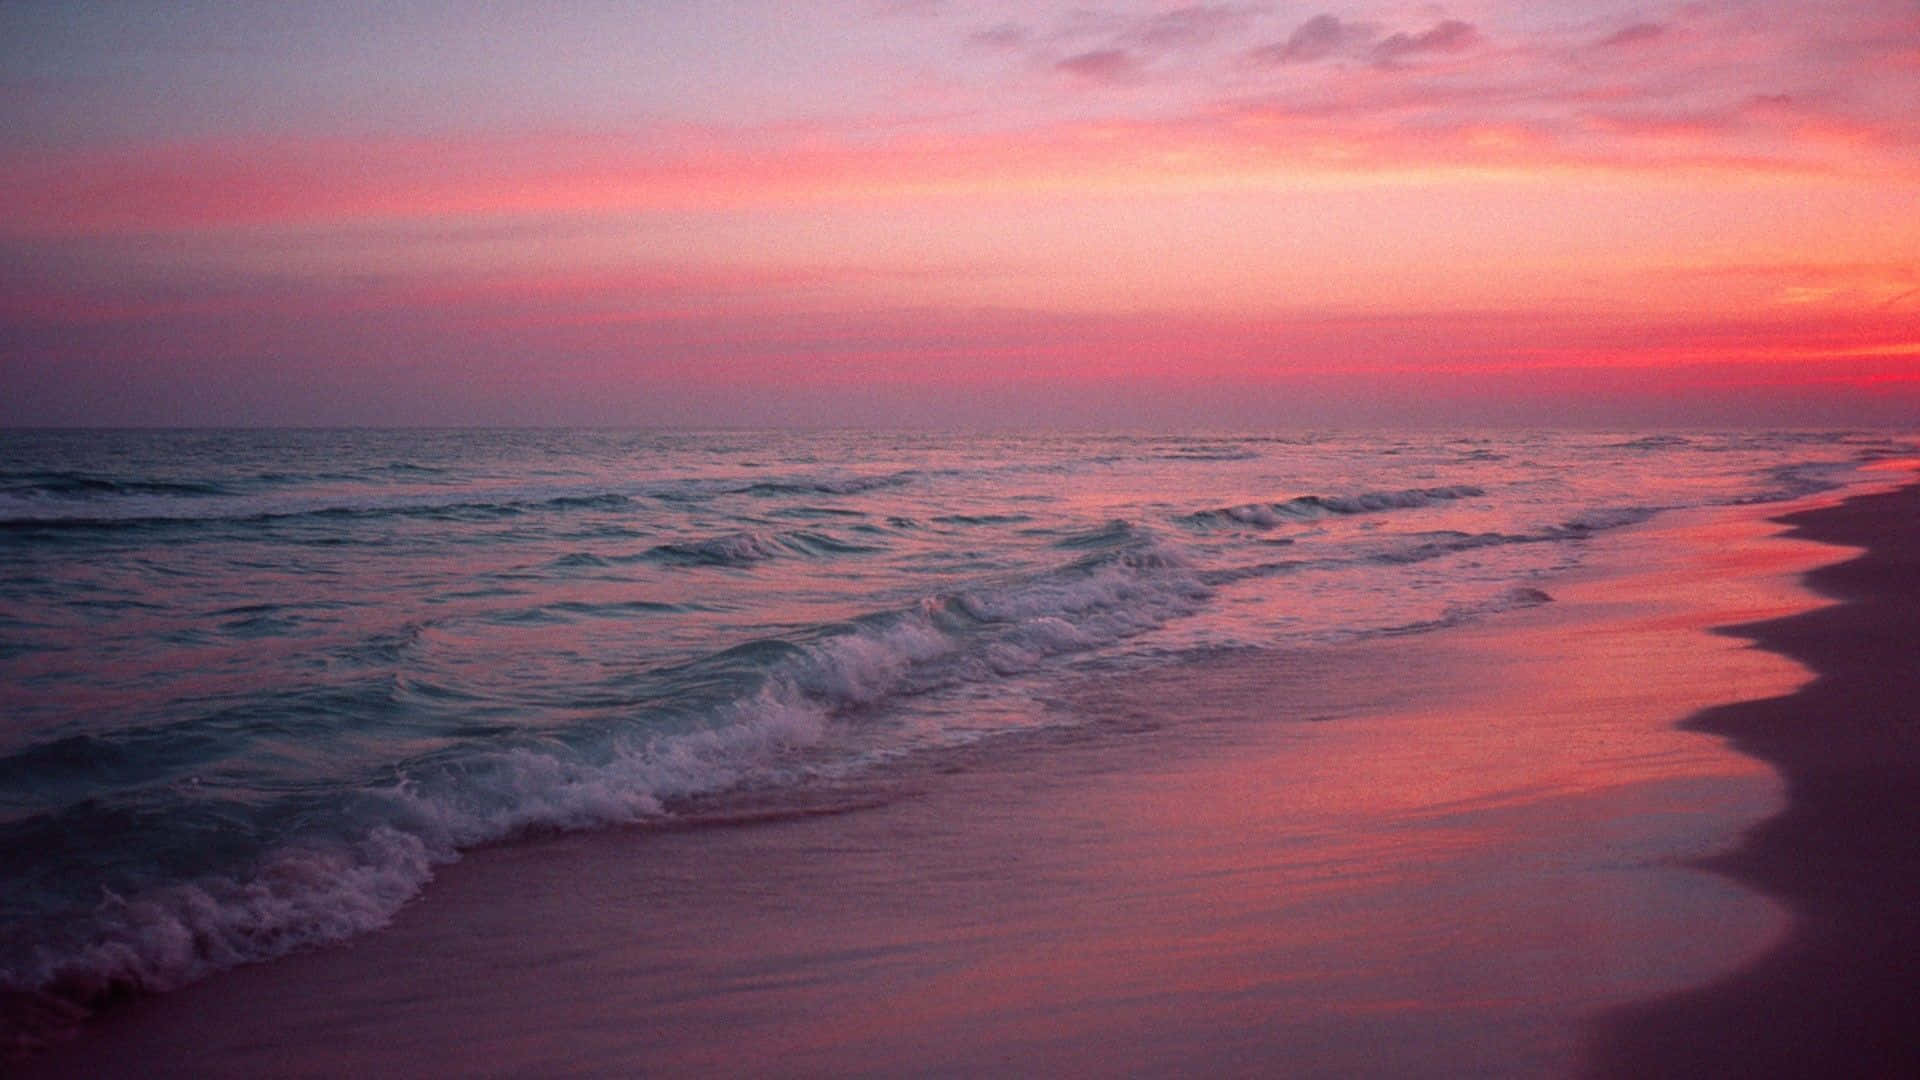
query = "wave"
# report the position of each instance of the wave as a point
(73, 485)
(1652, 442)
(1113, 534)
(1312, 507)
(122, 758)
(1208, 453)
(746, 548)
(1513, 599)
(1792, 482)
(749, 714)
(826, 485)
(1600, 519)
(23, 516)
(982, 519)
(1422, 547)
(96, 489)
(51, 496)
(1436, 545)
(44, 500)
(1579, 527)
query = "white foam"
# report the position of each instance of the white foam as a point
(174, 935)
(317, 894)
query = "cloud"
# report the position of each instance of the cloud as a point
(1637, 34)
(1102, 65)
(1451, 36)
(917, 8)
(1105, 47)
(1192, 26)
(1006, 35)
(1316, 39)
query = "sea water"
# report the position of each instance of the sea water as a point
(256, 685)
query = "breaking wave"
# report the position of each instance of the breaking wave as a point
(744, 548)
(1313, 507)
(762, 711)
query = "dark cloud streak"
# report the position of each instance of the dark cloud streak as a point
(1326, 36)
(1637, 34)
(1316, 39)
(1102, 65)
(1451, 36)
(1193, 26)
(1002, 36)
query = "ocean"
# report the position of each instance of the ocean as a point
(255, 686)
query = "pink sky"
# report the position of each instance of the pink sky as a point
(960, 213)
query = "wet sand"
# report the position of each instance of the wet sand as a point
(1841, 996)
(1439, 854)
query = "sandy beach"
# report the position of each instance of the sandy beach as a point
(1837, 997)
(1453, 870)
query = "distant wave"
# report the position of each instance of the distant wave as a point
(22, 515)
(74, 500)
(1422, 547)
(1312, 507)
(1208, 453)
(983, 519)
(32, 484)
(826, 485)
(1652, 442)
(744, 548)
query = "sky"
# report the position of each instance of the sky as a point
(946, 213)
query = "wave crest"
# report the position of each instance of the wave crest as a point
(1314, 507)
(750, 714)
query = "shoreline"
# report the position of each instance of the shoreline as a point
(1488, 840)
(1836, 997)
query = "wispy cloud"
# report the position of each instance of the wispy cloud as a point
(1328, 36)
(1451, 36)
(1196, 25)
(1103, 66)
(1116, 48)
(1316, 39)
(1637, 34)
(1006, 35)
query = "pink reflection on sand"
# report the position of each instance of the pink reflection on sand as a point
(1442, 884)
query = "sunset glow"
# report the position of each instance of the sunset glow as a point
(960, 213)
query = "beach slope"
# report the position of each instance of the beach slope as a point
(1838, 996)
